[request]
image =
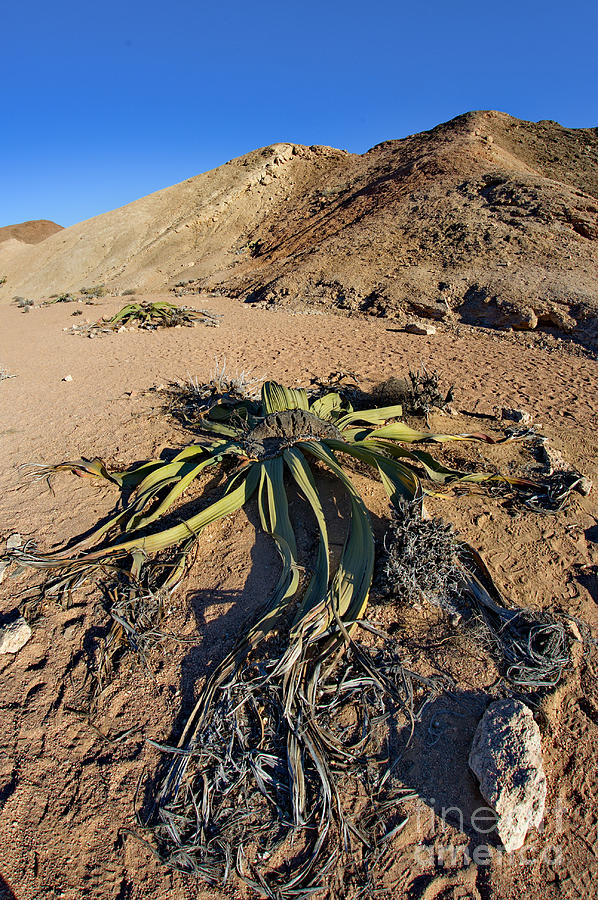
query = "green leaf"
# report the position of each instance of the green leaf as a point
(350, 588)
(187, 473)
(315, 594)
(330, 407)
(125, 311)
(219, 428)
(399, 480)
(371, 416)
(162, 474)
(274, 515)
(398, 431)
(161, 540)
(433, 469)
(276, 398)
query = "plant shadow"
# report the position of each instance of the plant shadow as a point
(218, 630)
(588, 578)
(434, 764)
(5, 891)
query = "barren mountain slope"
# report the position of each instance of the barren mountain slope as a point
(483, 207)
(29, 232)
(487, 215)
(198, 225)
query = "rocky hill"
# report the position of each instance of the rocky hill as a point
(488, 218)
(29, 232)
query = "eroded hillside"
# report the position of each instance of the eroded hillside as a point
(487, 217)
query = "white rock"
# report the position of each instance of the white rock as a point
(14, 635)
(14, 541)
(419, 328)
(584, 486)
(506, 757)
(68, 378)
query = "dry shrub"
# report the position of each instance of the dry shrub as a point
(418, 394)
(421, 559)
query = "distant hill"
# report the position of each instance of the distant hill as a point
(487, 216)
(30, 232)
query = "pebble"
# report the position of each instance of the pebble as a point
(584, 486)
(14, 635)
(419, 328)
(68, 378)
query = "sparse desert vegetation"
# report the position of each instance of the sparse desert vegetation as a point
(249, 647)
(308, 680)
(155, 315)
(147, 316)
(94, 292)
(23, 303)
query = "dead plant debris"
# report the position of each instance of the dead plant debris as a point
(419, 394)
(286, 763)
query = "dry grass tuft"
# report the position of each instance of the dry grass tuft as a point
(421, 559)
(190, 400)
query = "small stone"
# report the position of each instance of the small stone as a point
(516, 415)
(68, 378)
(584, 485)
(14, 635)
(419, 328)
(524, 319)
(14, 541)
(506, 757)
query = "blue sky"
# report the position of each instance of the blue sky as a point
(104, 103)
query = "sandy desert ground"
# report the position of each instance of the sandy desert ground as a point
(70, 781)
